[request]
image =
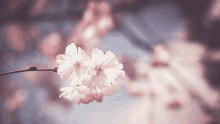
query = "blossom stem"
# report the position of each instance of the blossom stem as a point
(33, 68)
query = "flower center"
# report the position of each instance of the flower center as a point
(98, 70)
(76, 65)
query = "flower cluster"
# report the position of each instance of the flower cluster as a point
(91, 78)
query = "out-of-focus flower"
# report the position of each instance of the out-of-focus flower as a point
(89, 14)
(51, 45)
(139, 89)
(35, 32)
(174, 105)
(128, 66)
(160, 57)
(73, 64)
(104, 68)
(89, 32)
(105, 23)
(16, 101)
(187, 60)
(38, 7)
(16, 37)
(214, 12)
(96, 22)
(8, 58)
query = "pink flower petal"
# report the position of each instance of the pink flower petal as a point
(110, 89)
(111, 74)
(101, 81)
(92, 70)
(82, 89)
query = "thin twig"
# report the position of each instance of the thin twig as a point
(30, 69)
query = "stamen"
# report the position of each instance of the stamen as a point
(76, 65)
(99, 70)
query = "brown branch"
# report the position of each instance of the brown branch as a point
(30, 69)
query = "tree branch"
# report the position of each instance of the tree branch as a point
(30, 69)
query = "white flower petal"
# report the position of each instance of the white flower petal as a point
(111, 74)
(75, 80)
(63, 67)
(113, 66)
(82, 89)
(107, 55)
(91, 81)
(82, 54)
(97, 56)
(62, 58)
(67, 91)
(111, 59)
(67, 74)
(83, 72)
(71, 50)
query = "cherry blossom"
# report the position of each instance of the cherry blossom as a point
(91, 78)
(73, 64)
(110, 89)
(81, 94)
(104, 68)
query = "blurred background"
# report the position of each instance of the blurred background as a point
(169, 50)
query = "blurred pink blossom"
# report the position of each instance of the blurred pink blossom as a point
(174, 104)
(35, 32)
(187, 60)
(88, 15)
(105, 23)
(89, 32)
(128, 67)
(161, 57)
(96, 22)
(137, 89)
(38, 7)
(214, 11)
(51, 45)
(8, 58)
(16, 37)
(15, 101)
